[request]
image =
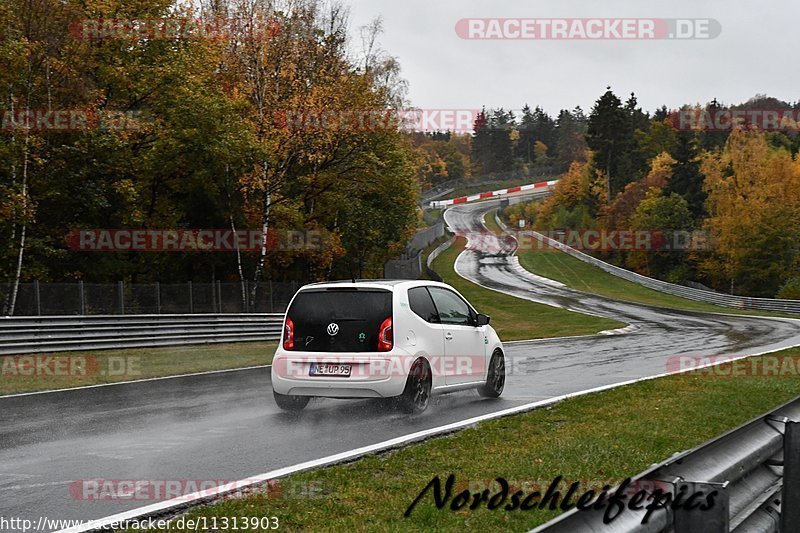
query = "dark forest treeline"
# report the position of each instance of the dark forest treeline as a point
(203, 141)
(735, 186)
(206, 136)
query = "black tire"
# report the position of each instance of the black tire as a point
(417, 394)
(495, 378)
(291, 403)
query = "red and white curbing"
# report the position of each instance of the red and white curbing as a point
(493, 194)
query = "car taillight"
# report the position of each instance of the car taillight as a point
(385, 336)
(288, 334)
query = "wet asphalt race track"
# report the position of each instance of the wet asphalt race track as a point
(225, 426)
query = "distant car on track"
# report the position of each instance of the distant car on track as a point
(384, 339)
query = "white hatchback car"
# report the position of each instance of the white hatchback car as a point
(382, 339)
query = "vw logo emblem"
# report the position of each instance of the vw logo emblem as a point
(333, 329)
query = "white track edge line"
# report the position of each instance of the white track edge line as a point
(144, 380)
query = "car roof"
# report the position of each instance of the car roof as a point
(373, 283)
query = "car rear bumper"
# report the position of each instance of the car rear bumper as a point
(371, 376)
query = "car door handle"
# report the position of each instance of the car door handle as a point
(449, 336)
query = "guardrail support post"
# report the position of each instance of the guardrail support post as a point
(37, 297)
(191, 298)
(219, 295)
(213, 295)
(790, 498)
(121, 297)
(158, 297)
(82, 296)
(271, 298)
(697, 520)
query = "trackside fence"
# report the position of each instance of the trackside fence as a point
(409, 265)
(754, 469)
(120, 298)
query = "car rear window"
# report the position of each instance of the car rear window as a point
(356, 313)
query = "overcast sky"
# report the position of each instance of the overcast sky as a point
(755, 53)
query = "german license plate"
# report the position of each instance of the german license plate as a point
(330, 369)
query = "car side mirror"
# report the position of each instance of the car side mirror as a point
(483, 320)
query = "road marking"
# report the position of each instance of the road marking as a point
(98, 385)
(36, 485)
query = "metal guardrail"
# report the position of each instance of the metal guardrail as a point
(434, 254)
(23, 335)
(725, 300)
(755, 470)
(409, 264)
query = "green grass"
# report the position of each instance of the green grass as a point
(574, 273)
(594, 440)
(516, 318)
(554, 264)
(490, 221)
(74, 369)
(432, 217)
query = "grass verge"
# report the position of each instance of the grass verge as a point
(554, 264)
(74, 369)
(516, 318)
(574, 273)
(596, 439)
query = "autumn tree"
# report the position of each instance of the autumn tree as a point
(608, 136)
(570, 137)
(625, 204)
(754, 207)
(668, 221)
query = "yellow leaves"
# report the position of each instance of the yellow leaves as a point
(574, 188)
(747, 184)
(574, 185)
(625, 204)
(662, 165)
(16, 207)
(540, 150)
(127, 190)
(748, 177)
